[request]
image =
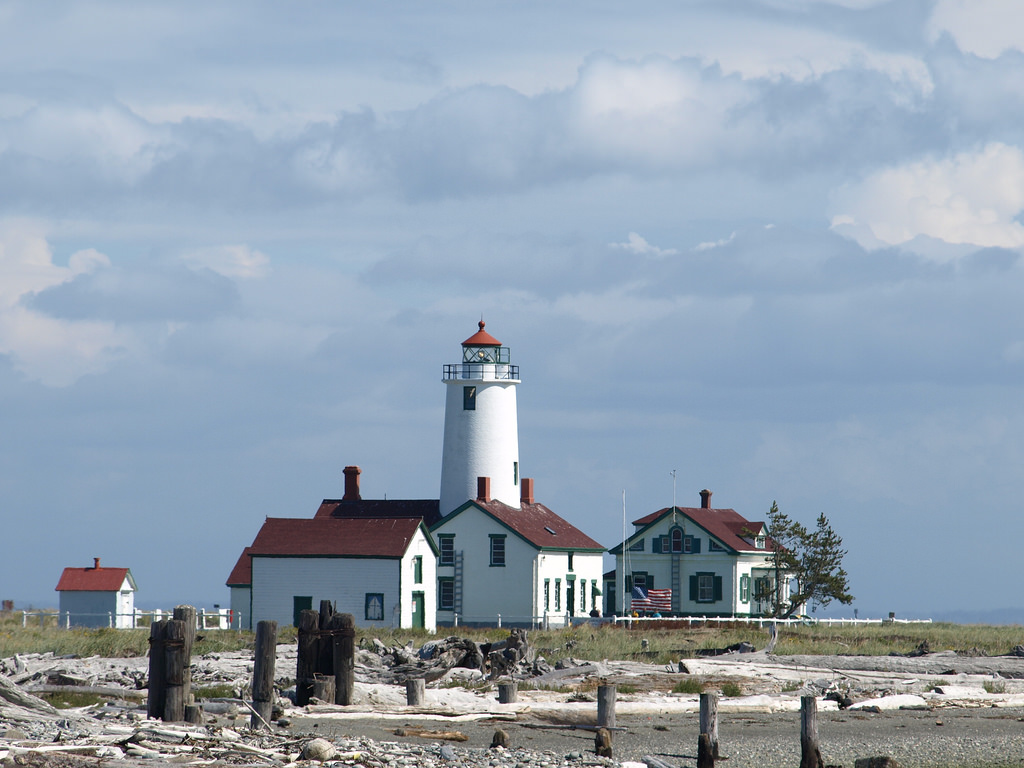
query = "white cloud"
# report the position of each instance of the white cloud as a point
(239, 261)
(970, 198)
(55, 352)
(708, 245)
(638, 245)
(986, 28)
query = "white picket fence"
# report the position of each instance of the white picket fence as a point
(555, 621)
(218, 618)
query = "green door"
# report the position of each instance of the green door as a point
(417, 611)
(300, 603)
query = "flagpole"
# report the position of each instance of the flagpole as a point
(625, 556)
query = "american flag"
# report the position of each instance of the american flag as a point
(652, 599)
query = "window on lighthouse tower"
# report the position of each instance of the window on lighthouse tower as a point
(469, 398)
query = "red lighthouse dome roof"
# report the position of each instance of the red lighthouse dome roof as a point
(481, 339)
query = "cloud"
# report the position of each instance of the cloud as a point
(239, 261)
(971, 198)
(53, 351)
(986, 28)
(638, 245)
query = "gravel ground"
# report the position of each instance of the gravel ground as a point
(950, 737)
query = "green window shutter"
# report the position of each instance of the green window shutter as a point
(693, 589)
(696, 546)
(650, 581)
(629, 585)
(656, 545)
(718, 588)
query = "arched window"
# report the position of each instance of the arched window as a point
(677, 539)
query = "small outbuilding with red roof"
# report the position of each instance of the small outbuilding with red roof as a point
(97, 596)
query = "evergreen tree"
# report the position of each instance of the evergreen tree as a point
(814, 559)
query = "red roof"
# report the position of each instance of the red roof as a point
(241, 574)
(335, 537)
(97, 579)
(726, 525)
(481, 339)
(539, 526)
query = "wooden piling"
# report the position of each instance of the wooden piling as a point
(606, 706)
(415, 691)
(343, 631)
(308, 655)
(187, 614)
(325, 666)
(507, 692)
(176, 668)
(194, 714)
(709, 725)
(263, 674)
(810, 754)
(323, 688)
(157, 667)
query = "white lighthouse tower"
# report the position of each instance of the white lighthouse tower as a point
(481, 424)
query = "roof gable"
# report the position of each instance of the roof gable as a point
(534, 523)
(95, 579)
(727, 526)
(385, 537)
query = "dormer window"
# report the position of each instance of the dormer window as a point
(759, 541)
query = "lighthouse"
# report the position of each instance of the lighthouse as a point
(481, 424)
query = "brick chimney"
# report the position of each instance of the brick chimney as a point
(483, 489)
(526, 491)
(96, 563)
(352, 484)
(705, 499)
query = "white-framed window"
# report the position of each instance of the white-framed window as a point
(705, 587)
(446, 594)
(498, 550)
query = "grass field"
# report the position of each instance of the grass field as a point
(657, 644)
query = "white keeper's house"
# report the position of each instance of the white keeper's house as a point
(374, 559)
(715, 561)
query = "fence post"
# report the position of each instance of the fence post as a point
(263, 675)
(499, 621)
(176, 680)
(157, 670)
(415, 691)
(707, 743)
(606, 706)
(810, 754)
(344, 631)
(307, 655)
(507, 692)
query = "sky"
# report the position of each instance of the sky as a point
(772, 248)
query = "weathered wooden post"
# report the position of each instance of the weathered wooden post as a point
(325, 666)
(194, 714)
(263, 675)
(323, 687)
(606, 706)
(343, 631)
(157, 667)
(308, 656)
(415, 691)
(707, 743)
(810, 754)
(176, 669)
(187, 614)
(507, 692)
